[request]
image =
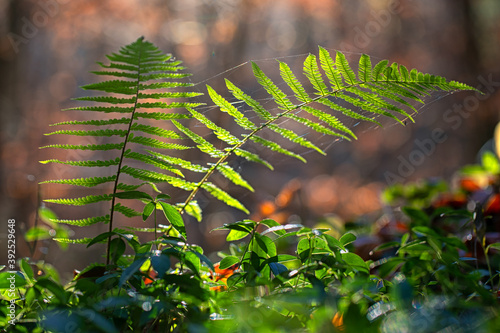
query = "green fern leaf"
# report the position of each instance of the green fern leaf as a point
(107, 146)
(221, 133)
(163, 105)
(179, 162)
(82, 200)
(315, 126)
(311, 71)
(153, 161)
(169, 95)
(87, 182)
(153, 143)
(105, 109)
(379, 69)
(155, 131)
(343, 66)
(294, 137)
(155, 177)
(331, 72)
(233, 176)
(225, 106)
(85, 240)
(346, 111)
(192, 209)
(106, 132)
(94, 122)
(203, 145)
(84, 222)
(240, 95)
(223, 196)
(276, 147)
(279, 96)
(160, 115)
(107, 99)
(329, 119)
(365, 68)
(85, 163)
(292, 81)
(127, 211)
(115, 86)
(251, 157)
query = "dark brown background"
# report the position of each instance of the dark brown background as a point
(47, 48)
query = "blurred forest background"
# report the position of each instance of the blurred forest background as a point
(48, 47)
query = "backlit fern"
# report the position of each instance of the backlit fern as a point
(148, 85)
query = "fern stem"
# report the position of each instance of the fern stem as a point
(245, 139)
(122, 154)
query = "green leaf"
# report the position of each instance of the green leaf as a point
(235, 235)
(37, 233)
(131, 270)
(174, 217)
(161, 264)
(57, 290)
(311, 71)
(223, 196)
(228, 261)
(347, 239)
(26, 269)
(355, 262)
(134, 195)
(7, 278)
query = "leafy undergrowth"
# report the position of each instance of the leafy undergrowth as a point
(429, 264)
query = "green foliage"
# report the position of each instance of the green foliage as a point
(273, 277)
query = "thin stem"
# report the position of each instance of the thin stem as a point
(115, 187)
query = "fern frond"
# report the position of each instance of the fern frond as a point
(107, 163)
(294, 137)
(294, 84)
(163, 105)
(82, 200)
(311, 71)
(107, 99)
(153, 143)
(203, 145)
(86, 182)
(106, 132)
(179, 162)
(107, 146)
(105, 109)
(155, 177)
(84, 240)
(329, 119)
(223, 196)
(276, 147)
(315, 126)
(328, 66)
(160, 115)
(365, 68)
(233, 176)
(251, 157)
(155, 131)
(279, 96)
(160, 163)
(84, 222)
(169, 95)
(239, 94)
(94, 122)
(221, 133)
(227, 107)
(127, 211)
(345, 69)
(114, 86)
